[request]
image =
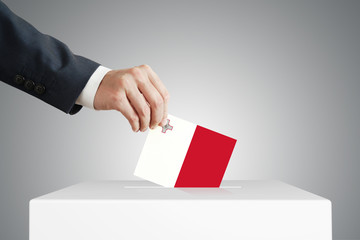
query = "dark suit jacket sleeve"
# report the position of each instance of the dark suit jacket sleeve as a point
(40, 64)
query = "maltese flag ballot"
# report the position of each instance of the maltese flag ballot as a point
(183, 154)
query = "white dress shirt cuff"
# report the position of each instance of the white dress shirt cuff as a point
(87, 96)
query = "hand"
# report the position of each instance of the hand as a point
(137, 93)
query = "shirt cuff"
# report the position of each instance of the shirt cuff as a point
(87, 96)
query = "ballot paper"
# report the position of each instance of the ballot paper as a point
(183, 154)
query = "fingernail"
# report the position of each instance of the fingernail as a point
(163, 122)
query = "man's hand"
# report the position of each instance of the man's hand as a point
(137, 93)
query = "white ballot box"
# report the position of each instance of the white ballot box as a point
(115, 210)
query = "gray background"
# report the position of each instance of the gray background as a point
(282, 77)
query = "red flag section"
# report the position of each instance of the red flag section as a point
(206, 159)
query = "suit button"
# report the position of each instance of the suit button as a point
(18, 79)
(39, 89)
(29, 85)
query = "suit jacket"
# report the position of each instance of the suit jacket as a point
(39, 64)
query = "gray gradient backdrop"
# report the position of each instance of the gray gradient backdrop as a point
(280, 76)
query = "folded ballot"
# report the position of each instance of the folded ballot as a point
(183, 154)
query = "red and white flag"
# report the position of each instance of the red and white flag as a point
(183, 154)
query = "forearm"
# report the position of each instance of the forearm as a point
(42, 61)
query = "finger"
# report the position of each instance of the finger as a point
(138, 101)
(158, 84)
(165, 115)
(156, 102)
(124, 106)
(155, 80)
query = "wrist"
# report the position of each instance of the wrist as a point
(87, 96)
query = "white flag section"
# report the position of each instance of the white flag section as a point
(183, 154)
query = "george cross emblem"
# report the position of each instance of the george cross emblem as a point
(167, 127)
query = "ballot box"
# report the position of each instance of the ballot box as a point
(115, 210)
